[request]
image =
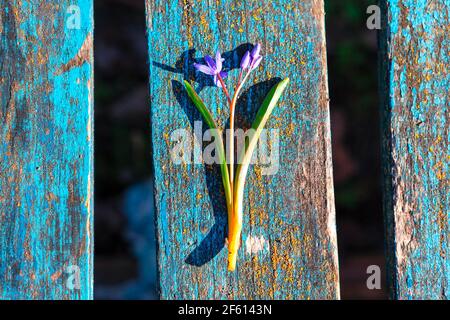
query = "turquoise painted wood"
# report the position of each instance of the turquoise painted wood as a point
(46, 82)
(416, 80)
(289, 248)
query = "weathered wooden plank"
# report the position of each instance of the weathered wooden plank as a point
(289, 242)
(46, 149)
(416, 82)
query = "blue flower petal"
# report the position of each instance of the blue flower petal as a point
(204, 69)
(210, 61)
(223, 74)
(255, 63)
(218, 61)
(255, 51)
(217, 82)
(245, 60)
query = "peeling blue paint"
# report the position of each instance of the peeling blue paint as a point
(416, 59)
(292, 209)
(46, 181)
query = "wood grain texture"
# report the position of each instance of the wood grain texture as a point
(416, 81)
(289, 248)
(46, 151)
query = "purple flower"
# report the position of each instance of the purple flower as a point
(256, 57)
(245, 60)
(252, 59)
(213, 68)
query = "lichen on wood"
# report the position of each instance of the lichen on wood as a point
(46, 229)
(415, 82)
(291, 213)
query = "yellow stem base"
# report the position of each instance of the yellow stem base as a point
(234, 240)
(232, 257)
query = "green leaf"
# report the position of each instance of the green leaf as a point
(260, 121)
(217, 134)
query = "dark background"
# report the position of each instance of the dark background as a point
(125, 262)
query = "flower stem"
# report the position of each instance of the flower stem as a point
(232, 112)
(235, 220)
(224, 88)
(234, 239)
